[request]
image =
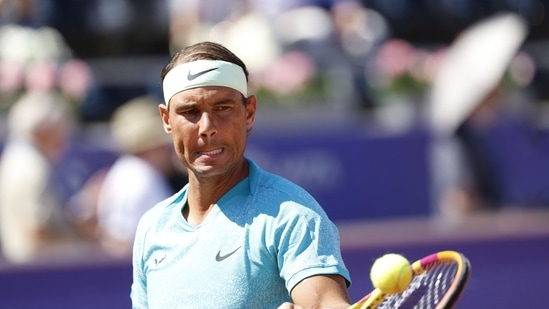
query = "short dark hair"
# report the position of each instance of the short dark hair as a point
(203, 51)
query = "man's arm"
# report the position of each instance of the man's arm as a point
(322, 291)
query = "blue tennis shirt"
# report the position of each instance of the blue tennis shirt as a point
(260, 239)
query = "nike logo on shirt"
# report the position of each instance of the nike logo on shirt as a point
(220, 257)
(159, 260)
(191, 76)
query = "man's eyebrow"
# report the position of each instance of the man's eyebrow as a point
(184, 104)
(192, 104)
(224, 100)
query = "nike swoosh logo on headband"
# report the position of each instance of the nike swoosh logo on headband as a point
(194, 76)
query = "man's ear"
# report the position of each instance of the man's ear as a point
(251, 107)
(165, 115)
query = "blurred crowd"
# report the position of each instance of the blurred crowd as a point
(333, 54)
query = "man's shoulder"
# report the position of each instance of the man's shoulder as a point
(265, 180)
(273, 188)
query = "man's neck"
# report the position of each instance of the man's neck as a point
(204, 192)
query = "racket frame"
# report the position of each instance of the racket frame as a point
(452, 295)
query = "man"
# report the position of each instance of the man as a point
(236, 236)
(34, 226)
(139, 178)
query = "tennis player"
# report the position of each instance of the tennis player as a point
(235, 236)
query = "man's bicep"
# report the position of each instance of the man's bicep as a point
(322, 291)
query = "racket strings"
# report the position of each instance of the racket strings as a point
(426, 290)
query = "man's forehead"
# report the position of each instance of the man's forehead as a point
(206, 94)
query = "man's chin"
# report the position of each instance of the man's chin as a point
(207, 171)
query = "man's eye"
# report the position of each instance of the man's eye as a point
(188, 112)
(223, 108)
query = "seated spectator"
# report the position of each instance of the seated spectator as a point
(33, 223)
(139, 178)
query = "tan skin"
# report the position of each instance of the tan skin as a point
(209, 127)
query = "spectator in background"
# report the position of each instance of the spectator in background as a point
(38, 58)
(33, 223)
(497, 137)
(334, 40)
(194, 20)
(28, 58)
(485, 155)
(302, 52)
(141, 176)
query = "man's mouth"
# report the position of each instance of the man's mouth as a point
(211, 153)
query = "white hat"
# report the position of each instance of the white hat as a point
(136, 126)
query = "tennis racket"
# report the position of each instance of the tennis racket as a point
(438, 282)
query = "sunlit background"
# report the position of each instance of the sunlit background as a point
(411, 144)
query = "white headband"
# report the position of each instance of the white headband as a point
(204, 73)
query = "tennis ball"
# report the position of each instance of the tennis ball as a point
(391, 273)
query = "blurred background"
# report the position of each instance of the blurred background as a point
(419, 125)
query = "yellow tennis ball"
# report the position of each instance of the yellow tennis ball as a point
(391, 273)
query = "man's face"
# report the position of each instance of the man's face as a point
(209, 126)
